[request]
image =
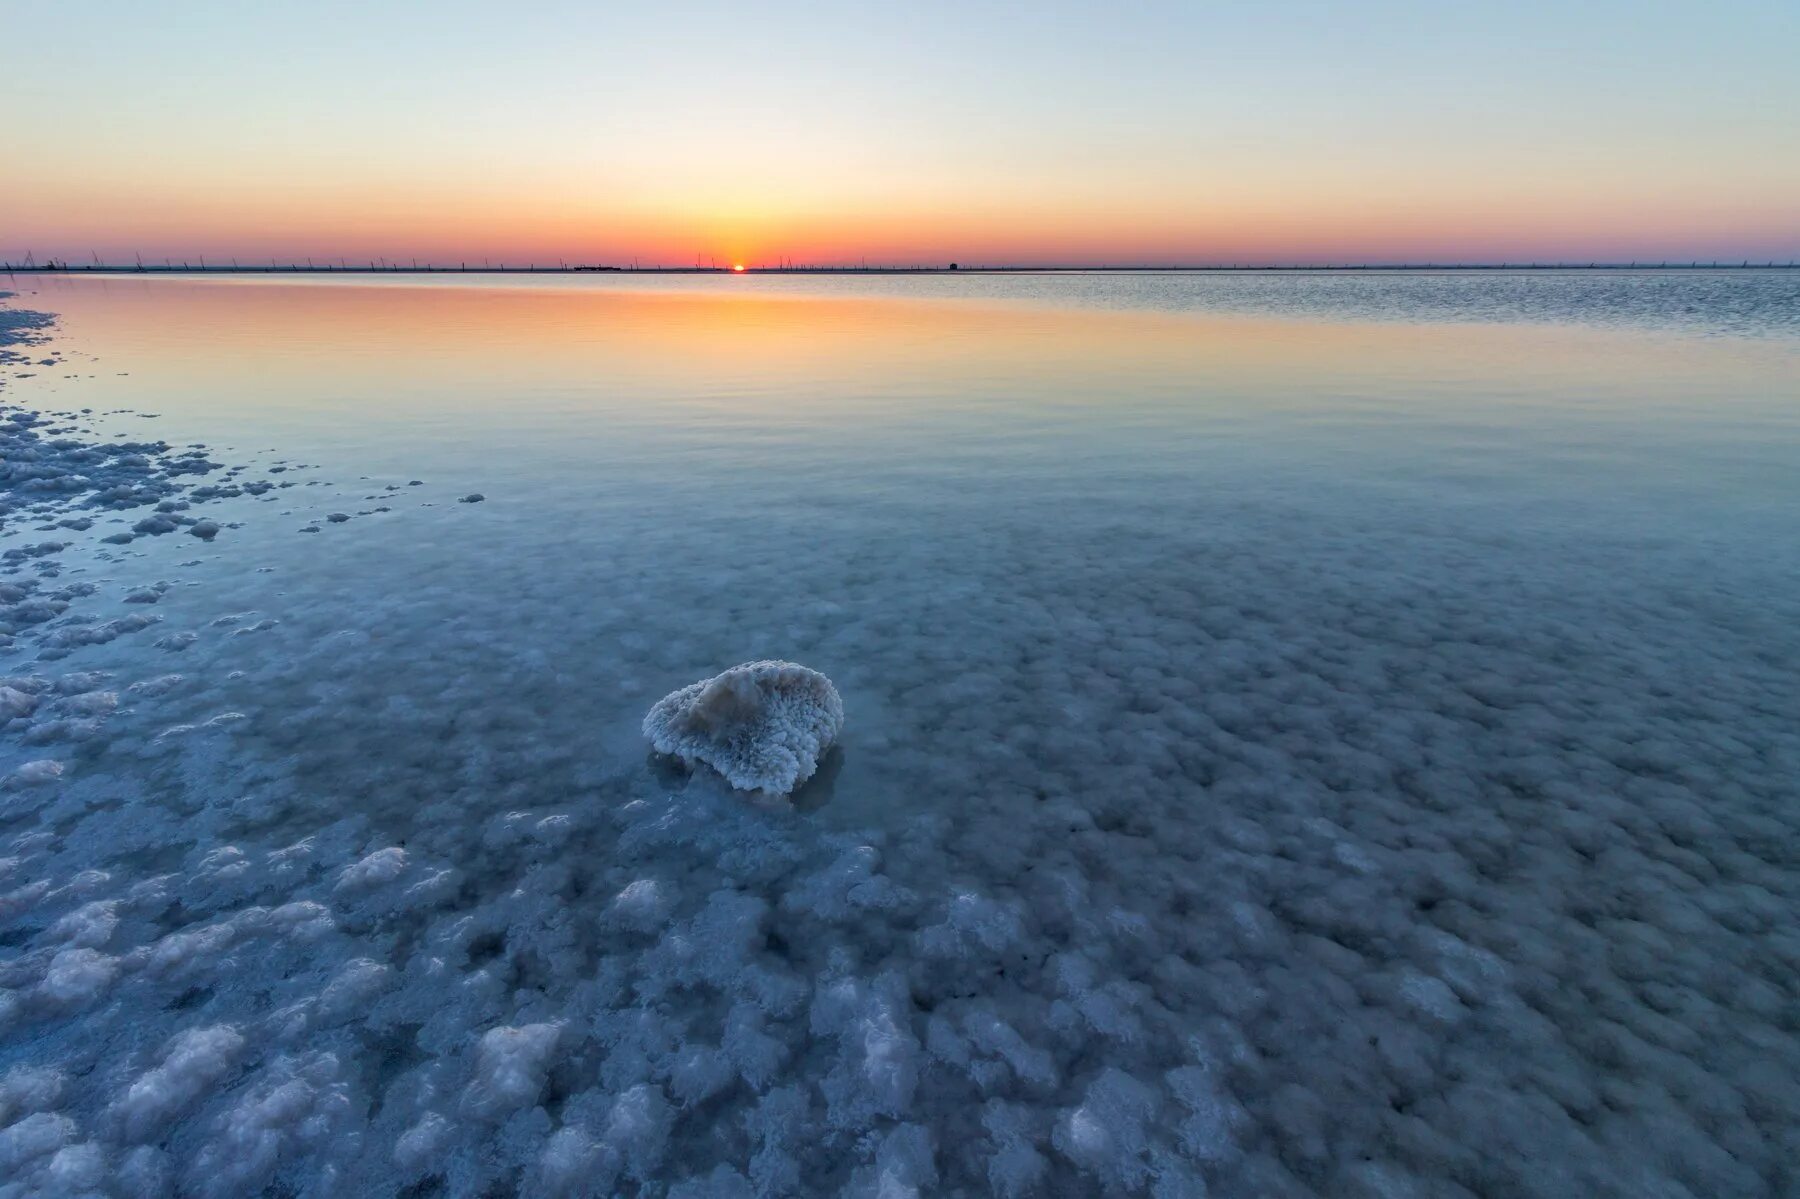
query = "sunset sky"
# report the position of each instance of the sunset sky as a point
(906, 133)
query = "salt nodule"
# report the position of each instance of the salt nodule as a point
(762, 725)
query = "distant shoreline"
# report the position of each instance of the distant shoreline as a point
(10, 268)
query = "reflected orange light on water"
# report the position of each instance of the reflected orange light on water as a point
(402, 351)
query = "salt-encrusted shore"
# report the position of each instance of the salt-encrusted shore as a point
(66, 488)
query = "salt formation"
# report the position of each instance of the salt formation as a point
(762, 725)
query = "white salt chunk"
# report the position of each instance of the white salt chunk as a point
(763, 725)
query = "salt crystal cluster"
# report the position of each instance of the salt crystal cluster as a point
(763, 725)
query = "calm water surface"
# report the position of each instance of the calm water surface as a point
(1306, 735)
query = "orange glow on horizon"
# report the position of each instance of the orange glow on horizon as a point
(1252, 225)
(1223, 134)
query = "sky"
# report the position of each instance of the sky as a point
(915, 133)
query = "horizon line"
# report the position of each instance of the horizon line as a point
(413, 267)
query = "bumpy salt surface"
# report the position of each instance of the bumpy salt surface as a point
(762, 725)
(1244, 856)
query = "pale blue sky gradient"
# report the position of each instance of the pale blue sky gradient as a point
(1076, 132)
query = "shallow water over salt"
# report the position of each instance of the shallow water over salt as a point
(1304, 735)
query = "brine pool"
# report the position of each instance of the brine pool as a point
(1305, 735)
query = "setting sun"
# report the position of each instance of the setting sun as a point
(739, 268)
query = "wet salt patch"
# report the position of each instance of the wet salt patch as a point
(299, 1103)
(642, 905)
(75, 978)
(1431, 996)
(48, 732)
(68, 636)
(193, 1065)
(382, 866)
(28, 1089)
(32, 774)
(51, 467)
(511, 1066)
(424, 1143)
(15, 703)
(35, 1137)
(222, 721)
